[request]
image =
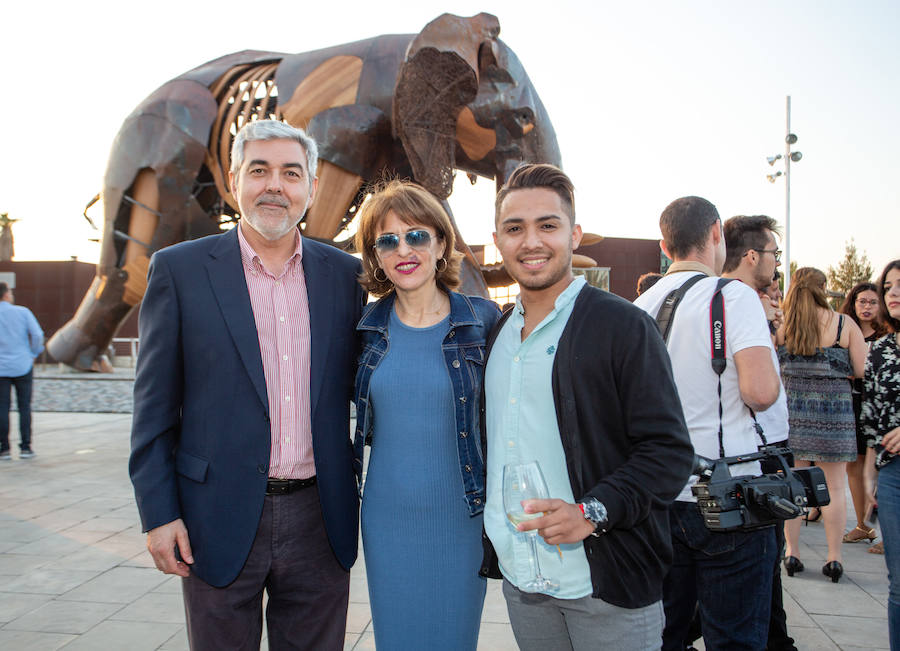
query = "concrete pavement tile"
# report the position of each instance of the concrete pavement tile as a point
(178, 642)
(350, 640)
(366, 642)
(154, 607)
(358, 617)
(816, 593)
(813, 639)
(796, 616)
(121, 548)
(141, 559)
(58, 520)
(172, 585)
(85, 536)
(870, 632)
(134, 636)
(33, 508)
(874, 584)
(359, 590)
(494, 604)
(63, 617)
(118, 585)
(103, 523)
(46, 581)
(496, 637)
(29, 641)
(55, 544)
(20, 564)
(19, 531)
(14, 605)
(87, 558)
(6, 546)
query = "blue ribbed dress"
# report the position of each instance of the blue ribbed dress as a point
(422, 548)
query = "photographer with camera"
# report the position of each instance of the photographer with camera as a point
(729, 573)
(752, 256)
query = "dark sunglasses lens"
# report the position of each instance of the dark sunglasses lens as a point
(387, 242)
(418, 239)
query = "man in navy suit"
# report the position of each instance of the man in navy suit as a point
(241, 457)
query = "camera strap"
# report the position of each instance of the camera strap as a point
(717, 347)
(664, 318)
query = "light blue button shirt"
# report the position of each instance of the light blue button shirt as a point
(21, 340)
(521, 427)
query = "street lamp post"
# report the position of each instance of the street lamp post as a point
(789, 156)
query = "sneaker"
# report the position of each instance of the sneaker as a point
(5, 456)
(27, 453)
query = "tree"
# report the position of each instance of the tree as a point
(853, 269)
(7, 248)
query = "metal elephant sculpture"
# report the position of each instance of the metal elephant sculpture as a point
(418, 106)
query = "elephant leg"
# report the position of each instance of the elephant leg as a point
(336, 191)
(142, 226)
(116, 290)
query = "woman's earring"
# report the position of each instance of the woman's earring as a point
(438, 266)
(384, 277)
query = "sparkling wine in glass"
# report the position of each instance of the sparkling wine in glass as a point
(524, 481)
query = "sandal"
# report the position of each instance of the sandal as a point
(858, 534)
(877, 548)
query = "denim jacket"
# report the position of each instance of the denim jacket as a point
(471, 319)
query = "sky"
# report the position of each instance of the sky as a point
(650, 100)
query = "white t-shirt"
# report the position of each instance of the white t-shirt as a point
(689, 349)
(774, 420)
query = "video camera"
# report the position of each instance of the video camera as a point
(746, 502)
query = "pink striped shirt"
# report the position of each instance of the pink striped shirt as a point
(281, 312)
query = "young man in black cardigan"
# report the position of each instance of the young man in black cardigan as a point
(580, 380)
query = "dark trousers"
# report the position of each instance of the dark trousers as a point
(291, 559)
(728, 574)
(23, 385)
(779, 640)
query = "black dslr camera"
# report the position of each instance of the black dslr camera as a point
(746, 502)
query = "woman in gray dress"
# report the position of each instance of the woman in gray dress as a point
(821, 351)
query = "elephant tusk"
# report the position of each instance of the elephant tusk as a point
(527, 129)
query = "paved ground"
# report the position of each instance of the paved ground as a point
(74, 573)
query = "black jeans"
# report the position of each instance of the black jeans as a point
(23, 385)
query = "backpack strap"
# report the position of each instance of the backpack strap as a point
(667, 310)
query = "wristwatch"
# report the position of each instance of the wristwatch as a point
(595, 513)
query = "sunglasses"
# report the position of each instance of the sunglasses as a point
(418, 239)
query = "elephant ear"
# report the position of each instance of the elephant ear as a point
(438, 78)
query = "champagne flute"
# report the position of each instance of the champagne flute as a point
(524, 481)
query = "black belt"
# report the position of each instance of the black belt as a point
(287, 486)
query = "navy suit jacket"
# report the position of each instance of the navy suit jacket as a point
(200, 439)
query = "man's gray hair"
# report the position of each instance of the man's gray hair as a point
(273, 130)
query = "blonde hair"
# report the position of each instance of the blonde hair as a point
(414, 205)
(805, 297)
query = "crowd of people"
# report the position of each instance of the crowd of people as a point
(587, 407)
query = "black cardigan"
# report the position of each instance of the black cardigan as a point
(625, 441)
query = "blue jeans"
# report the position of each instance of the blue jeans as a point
(23, 400)
(889, 510)
(728, 574)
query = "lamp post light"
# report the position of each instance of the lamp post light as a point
(789, 157)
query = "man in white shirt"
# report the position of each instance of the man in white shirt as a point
(752, 256)
(728, 574)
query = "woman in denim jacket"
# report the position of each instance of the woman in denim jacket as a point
(416, 395)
